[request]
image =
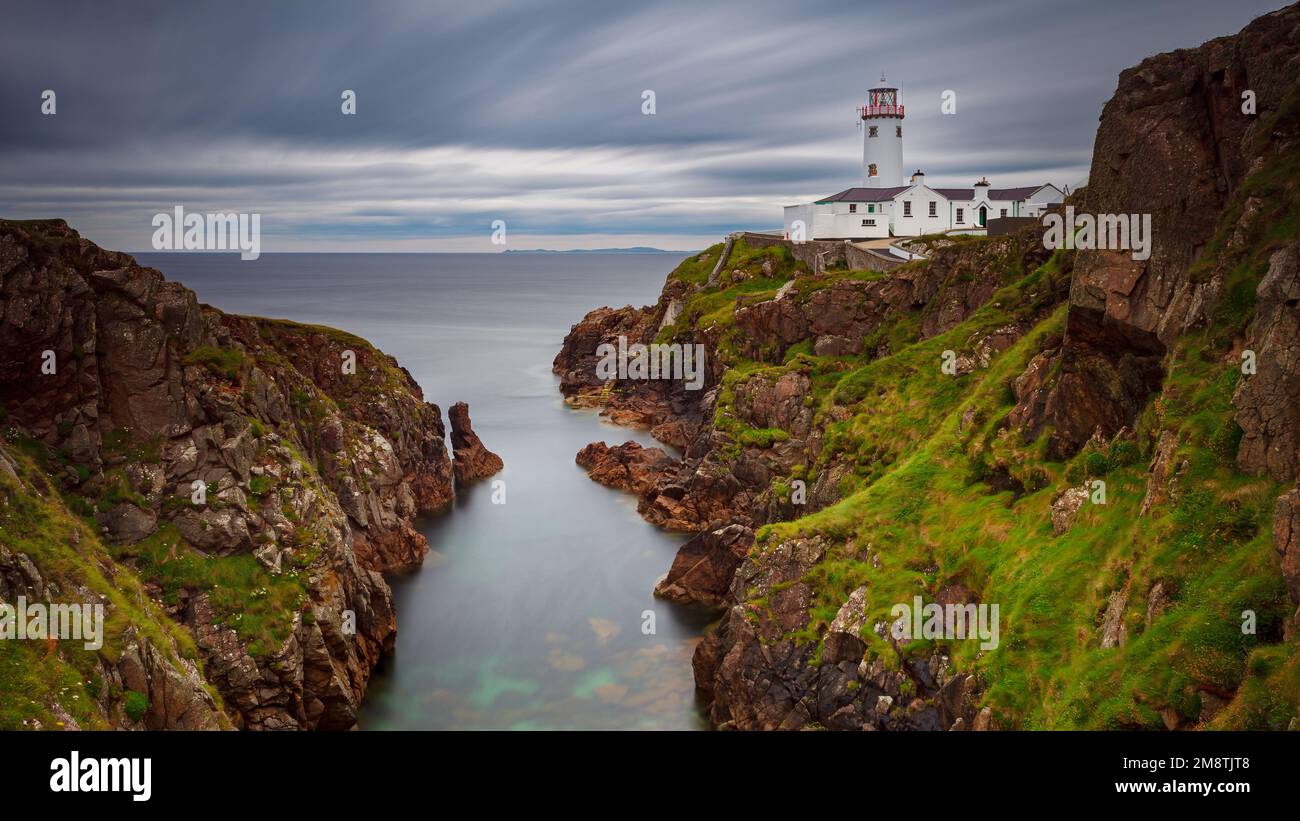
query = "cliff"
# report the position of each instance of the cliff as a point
(832, 468)
(231, 488)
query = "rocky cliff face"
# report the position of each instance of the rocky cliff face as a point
(1070, 437)
(1175, 143)
(748, 432)
(256, 476)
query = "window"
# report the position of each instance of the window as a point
(871, 170)
(871, 208)
(1003, 213)
(871, 130)
(853, 208)
(900, 131)
(934, 208)
(866, 223)
(907, 208)
(959, 213)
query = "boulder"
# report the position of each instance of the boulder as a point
(127, 523)
(1066, 507)
(628, 467)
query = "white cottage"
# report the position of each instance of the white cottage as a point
(913, 210)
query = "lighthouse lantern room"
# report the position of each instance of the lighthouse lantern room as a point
(882, 138)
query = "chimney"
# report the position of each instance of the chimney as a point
(918, 178)
(982, 188)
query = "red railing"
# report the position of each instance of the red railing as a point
(880, 111)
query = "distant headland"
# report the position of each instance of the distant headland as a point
(640, 249)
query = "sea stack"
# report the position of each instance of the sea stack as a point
(471, 461)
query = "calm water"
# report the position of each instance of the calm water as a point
(526, 614)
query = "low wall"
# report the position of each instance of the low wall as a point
(870, 259)
(998, 226)
(809, 252)
(820, 254)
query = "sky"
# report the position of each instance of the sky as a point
(532, 113)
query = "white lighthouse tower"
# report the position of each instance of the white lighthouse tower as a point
(882, 138)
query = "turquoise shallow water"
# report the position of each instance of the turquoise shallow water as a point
(527, 614)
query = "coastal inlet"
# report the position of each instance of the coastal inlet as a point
(526, 614)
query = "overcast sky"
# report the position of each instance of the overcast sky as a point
(478, 110)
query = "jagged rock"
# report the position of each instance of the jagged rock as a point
(843, 641)
(779, 403)
(1286, 539)
(169, 392)
(1157, 600)
(176, 698)
(1268, 402)
(147, 479)
(127, 523)
(1066, 507)
(671, 313)
(770, 327)
(215, 531)
(1173, 143)
(702, 571)
(1162, 479)
(628, 467)
(1032, 390)
(1113, 630)
(690, 495)
(19, 576)
(471, 461)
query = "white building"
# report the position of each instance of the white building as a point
(888, 206)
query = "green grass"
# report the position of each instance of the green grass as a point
(925, 500)
(135, 704)
(227, 362)
(258, 606)
(35, 676)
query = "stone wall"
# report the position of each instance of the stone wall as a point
(998, 226)
(819, 254)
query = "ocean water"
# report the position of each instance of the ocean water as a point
(527, 614)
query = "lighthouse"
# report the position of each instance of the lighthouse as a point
(882, 138)
(889, 205)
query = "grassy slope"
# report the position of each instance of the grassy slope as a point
(921, 507)
(35, 676)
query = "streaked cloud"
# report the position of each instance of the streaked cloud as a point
(530, 112)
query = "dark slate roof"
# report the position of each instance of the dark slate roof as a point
(881, 194)
(865, 194)
(993, 194)
(1012, 193)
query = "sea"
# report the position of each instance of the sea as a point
(533, 610)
